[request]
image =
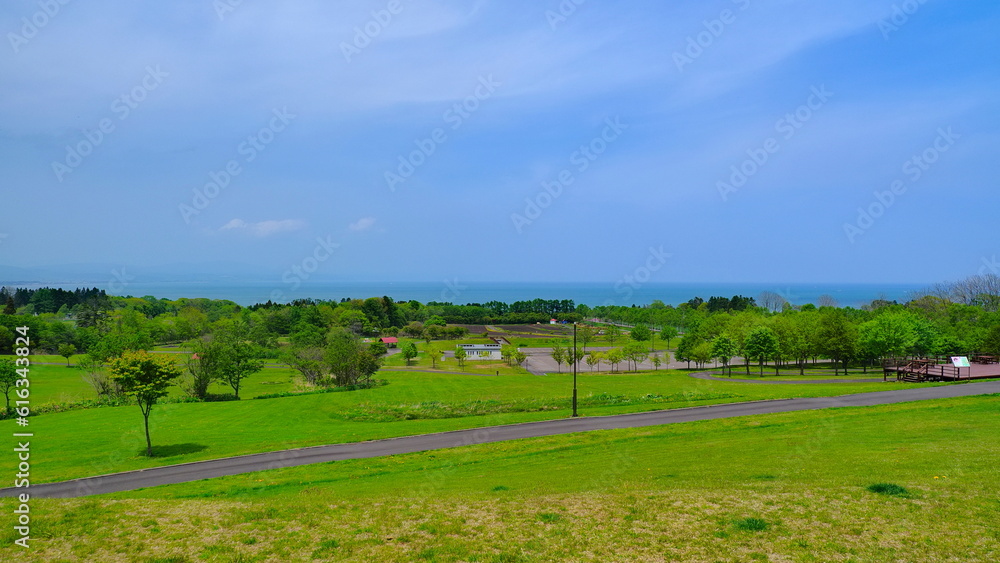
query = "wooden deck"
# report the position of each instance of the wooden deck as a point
(924, 370)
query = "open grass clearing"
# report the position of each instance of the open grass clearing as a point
(97, 441)
(780, 487)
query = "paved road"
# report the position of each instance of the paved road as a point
(708, 375)
(289, 458)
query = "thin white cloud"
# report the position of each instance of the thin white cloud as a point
(362, 224)
(264, 228)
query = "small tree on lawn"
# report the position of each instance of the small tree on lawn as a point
(724, 349)
(761, 345)
(641, 333)
(409, 351)
(519, 357)
(668, 333)
(434, 353)
(614, 357)
(573, 356)
(8, 378)
(145, 377)
(558, 355)
(657, 361)
(612, 333)
(67, 351)
(702, 353)
(593, 358)
(460, 355)
(586, 335)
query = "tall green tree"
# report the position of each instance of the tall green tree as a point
(612, 333)
(585, 334)
(8, 378)
(668, 333)
(724, 349)
(67, 351)
(686, 347)
(889, 335)
(234, 355)
(641, 333)
(614, 357)
(991, 341)
(146, 378)
(558, 354)
(838, 336)
(761, 345)
(349, 360)
(702, 353)
(636, 353)
(434, 353)
(409, 351)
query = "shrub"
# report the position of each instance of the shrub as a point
(751, 524)
(889, 489)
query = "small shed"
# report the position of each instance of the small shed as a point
(482, 351)
(389, 341)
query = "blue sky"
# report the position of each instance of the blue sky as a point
(117, 117)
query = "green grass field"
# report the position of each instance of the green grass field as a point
(95, 441)
(782, 487)
(61, 384)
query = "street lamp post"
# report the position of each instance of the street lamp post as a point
(574, 370)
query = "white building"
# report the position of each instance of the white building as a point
(482, 351)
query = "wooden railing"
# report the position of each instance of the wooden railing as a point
(919, 370)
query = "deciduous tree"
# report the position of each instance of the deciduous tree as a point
(146, 378)
(558, 354)
(761, 345)
(67, 351)
(724, 349)
(409, 351)
(8, 378)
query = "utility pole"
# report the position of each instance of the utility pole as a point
(574, 370)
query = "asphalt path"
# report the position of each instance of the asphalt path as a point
(199, 470)
(708, 375)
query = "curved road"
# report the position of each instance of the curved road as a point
(196, 471)
(709, 375)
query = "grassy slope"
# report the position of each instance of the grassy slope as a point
(61, 384)
(783, 487)
(97, 441)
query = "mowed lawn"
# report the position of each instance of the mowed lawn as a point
(53, 382)
(97, 441)
(781, 487)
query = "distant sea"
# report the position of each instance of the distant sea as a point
(593, 294)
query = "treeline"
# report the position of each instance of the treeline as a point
(47, 299)
(927, 326)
